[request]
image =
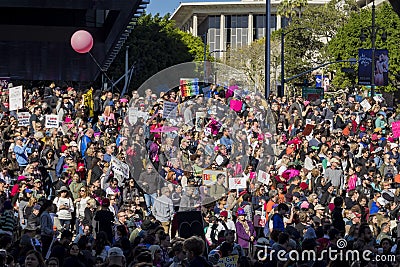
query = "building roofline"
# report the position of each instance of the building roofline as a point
(186, 7)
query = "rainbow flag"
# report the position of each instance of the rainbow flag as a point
(189, 86)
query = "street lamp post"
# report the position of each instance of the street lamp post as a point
(267, 47)
(205, 55)
(373, 31)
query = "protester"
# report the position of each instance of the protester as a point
(241, 172)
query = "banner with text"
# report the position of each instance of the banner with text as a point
(364, 66)
(51, 121)
(23, 118)
(15, 98)
(210, 176)
(170, 110)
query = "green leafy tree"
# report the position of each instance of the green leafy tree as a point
(347, 42)
(155, 44)
(306, 37)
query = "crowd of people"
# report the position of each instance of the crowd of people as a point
(266, 176)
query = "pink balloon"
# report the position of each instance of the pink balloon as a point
(82, 41)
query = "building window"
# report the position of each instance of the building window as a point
(259, 25)
(236, 21)
(214, 22)
(236, 30)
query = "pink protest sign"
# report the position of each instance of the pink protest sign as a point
(396, 129)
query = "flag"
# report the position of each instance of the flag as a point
(189, 87)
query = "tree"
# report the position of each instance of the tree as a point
(289, 8)
(155, 44)
(306, 37)
(347, 42)
(250, 60)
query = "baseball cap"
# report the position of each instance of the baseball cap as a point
(115, 252)
(37, 181)
(28, 190)
(223, 213)
(319, 207)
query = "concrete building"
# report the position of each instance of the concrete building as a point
(229, 24)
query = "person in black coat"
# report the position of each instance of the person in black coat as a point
(337, 217)
(104, 219)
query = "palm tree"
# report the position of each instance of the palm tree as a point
(289, 8)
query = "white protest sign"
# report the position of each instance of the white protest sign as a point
(132, 115)
(51, 121)
(230, 261)
(237, 183)
(23, 118)
(15, 98)
(263, 177)
(170, 110)
(200, 120)
(120, 168)
(365, 105)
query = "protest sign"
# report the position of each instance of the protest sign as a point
(23, 118)
(396, 129)
(15, 98)
(51, 121)
(237, 183)
(230, 261)
(365, 105)
(200, 121)
(210, 176)
(263, 177)
(170, 110)
(132, 115)
(119, 167)
(189, 86)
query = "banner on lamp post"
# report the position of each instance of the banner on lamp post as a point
(381, 67)
(364, 66)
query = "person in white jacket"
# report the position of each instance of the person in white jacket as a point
(65, 207)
